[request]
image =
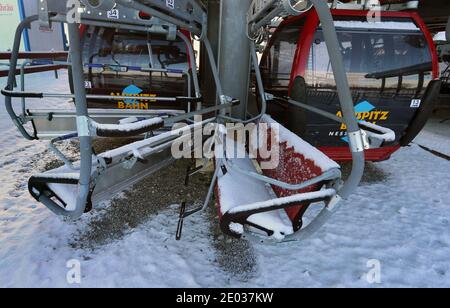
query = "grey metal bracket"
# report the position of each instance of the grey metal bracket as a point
(187, 14)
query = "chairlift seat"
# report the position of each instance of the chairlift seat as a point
(247, 199)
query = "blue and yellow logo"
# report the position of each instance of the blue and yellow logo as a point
(365, 111)
(133, 102)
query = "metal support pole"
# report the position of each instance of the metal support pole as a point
(209, 86)
(349, 117)
(447, 32)
(234, 53)
(82, 112)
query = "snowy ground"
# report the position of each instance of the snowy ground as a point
(400, 216)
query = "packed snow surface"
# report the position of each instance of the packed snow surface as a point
(399, 217)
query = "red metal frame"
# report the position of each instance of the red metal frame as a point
(344, 154)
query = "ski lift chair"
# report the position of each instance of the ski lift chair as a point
(274, 201)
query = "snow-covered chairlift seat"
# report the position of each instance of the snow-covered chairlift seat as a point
(112, 171)
(246, 199)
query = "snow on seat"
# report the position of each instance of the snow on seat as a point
(60, 184)
(235, 189)
(298, 162)
(124, 165)
(128, 129)
(302, 176)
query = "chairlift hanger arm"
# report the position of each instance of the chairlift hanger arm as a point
(262, 12)
(187, 14)
(406, 71)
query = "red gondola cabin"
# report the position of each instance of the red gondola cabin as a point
(389, 65)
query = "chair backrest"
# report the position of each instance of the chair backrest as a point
(298, 162)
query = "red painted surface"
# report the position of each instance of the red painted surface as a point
(83, 29)
(342, 154)
(188, 35)
(304, 43)
(293, 168)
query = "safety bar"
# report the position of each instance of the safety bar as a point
(9, 93)
(332, 174)
(21, 94)
(126, 68)
(124, 130)
(241, 213)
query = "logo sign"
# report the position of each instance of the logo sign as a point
(133, 102)
(170, 4)
(113, 14)
(365, 111)
(131, 91)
